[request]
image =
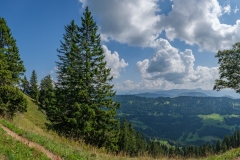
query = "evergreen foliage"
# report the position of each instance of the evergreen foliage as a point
(124, 137)
(9, 48)
(11, 101)
(46, 95)
(11, 68)
(34, 91)
(5, 74)
(156, 149)
(130, 141)
(25, 86)
(84, 107)
(141, 144)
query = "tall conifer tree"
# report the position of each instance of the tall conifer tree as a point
(84, 106)
(46, 95)
(124, 138)
(34, 91)
(25, 85)
(11, 68)
(9, 48)
(5, 74)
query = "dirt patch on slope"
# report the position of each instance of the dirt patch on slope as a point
(31, 144)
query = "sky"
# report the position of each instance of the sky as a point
(148, 44)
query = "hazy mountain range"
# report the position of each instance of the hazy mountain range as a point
(183, 92)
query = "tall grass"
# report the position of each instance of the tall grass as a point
(229, 155)
(11, 149)
(66, 148)
(59, 148)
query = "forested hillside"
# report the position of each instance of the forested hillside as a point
(186, 120)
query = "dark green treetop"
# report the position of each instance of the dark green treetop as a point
(11, 101)
(5, 74)
(11, 67)
(34, 91)
(25, 85)
(9, 48)
(124, 138)
(46, 96)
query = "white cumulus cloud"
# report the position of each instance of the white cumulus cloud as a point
(132, 22)
(197, 22)
(170, 67)
(129, 85)
(114, 62)
(137, 22)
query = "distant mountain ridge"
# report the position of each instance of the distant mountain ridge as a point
(193, 94)
(152, 95)
(184, 92)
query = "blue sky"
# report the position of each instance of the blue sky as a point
(149, 44)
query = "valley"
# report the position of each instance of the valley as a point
(182, 120)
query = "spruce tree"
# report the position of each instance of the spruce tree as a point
(132, 138)
(97, 82)
(5, 80)
(124, 138)
(11, 101)
(84, 106)
(34, 91)
(140, 143)
(9, 48)
(11, 98)
(46, 95)
(5, 74)
(217, 146)
(25, 85)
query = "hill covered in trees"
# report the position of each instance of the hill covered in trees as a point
(184, 120)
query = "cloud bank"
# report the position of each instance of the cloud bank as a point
(125, 21)
(200, 24)
(138, 23)
(170, 67)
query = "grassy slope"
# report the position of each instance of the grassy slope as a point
(31, 125)
(13, 149)
(33, 122)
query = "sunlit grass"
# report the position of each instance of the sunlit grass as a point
(58, 146)
(229, 155)
(11, 149)
(217, 120)
(34, 115)
(214, 116)
(68, 149)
